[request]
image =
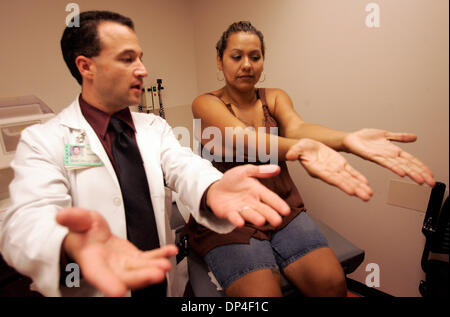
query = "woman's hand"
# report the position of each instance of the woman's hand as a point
(375, 145)
(320, 161)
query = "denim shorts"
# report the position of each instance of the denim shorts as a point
(230, 262)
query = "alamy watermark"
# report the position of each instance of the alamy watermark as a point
(373, 18)
(73, 277)
(234, 144)
(73, 18)
(231, 146)
(373, 278)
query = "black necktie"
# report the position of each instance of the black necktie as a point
(139, 215)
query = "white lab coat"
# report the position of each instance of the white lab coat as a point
(30, 237)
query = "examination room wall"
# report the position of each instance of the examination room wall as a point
(338, 72)
(344, 75)
(31, 61)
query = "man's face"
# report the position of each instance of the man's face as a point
(118, 70)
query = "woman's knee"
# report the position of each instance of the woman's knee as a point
(260, 283)
(332, 283)
(318, 273)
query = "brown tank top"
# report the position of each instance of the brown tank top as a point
(202, 240)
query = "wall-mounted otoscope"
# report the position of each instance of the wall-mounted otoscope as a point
(151, 99)
(161, 106)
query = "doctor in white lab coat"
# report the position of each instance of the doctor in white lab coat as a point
(43, 185)
(62, 211)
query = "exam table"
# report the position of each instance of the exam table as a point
(348, 254)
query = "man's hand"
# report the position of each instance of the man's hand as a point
(375, 145)
(113, 265)
(238, 196)
(323, 162)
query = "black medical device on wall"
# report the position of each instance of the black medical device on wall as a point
(161, 107)
(152, 99)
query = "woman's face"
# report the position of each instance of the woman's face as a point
(242, 62)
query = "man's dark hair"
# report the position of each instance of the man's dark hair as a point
(241, 26)
(83, 39)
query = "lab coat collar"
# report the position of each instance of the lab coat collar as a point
(72, 117)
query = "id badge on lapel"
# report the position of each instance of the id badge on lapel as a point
(79, 154)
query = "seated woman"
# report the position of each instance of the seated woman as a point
(248, 261)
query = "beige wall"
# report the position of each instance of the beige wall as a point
(338, 72)
(347, 76)
(31, 60)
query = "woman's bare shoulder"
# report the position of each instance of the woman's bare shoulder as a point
(273, 95)
(275, 92)
(208, 96)
(207, 102)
